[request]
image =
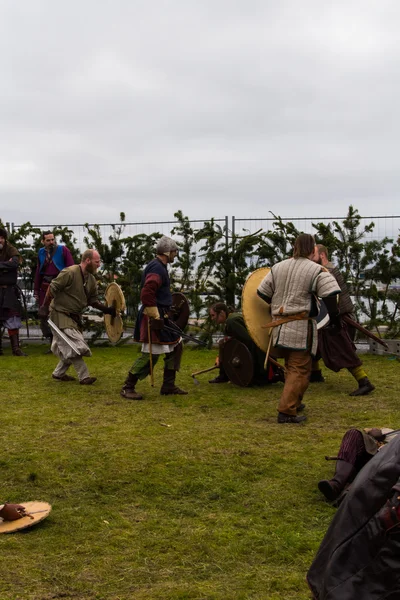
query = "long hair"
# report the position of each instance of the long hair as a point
(303, 246)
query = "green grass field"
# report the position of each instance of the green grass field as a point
(202, 496)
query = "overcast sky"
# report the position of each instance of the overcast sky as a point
(213, 107)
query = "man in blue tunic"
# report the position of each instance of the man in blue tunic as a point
(52, 259)
(156, 301)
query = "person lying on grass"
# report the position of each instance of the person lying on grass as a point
(357, 448)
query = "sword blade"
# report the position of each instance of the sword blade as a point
(62, 335)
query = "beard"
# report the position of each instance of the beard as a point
(90, 268)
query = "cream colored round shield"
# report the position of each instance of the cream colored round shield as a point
(36, 512)
(256, 312)
(114, 325)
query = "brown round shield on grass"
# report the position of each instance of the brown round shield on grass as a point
(37, 511)
(237, 363)
(114, 325)
(256, 312)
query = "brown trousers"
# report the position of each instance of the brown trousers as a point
(297, 377)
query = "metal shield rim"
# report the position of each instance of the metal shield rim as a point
(256, 312)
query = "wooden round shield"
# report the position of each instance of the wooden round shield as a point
(256, 312)
(37, 511)
(237, 363)
(180, 310)
(114, 325)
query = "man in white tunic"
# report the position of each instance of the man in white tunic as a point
(292, 287)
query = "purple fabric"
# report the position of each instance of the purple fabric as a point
(352, 449)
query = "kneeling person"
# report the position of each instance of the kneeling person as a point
(156, 301)
(235, 327)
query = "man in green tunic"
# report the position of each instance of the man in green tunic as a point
(70, 293)
(235, 327)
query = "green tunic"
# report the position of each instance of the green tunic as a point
(72, 293)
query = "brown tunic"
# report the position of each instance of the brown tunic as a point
(72, 293)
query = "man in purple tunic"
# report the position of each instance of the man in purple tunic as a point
(52, 259)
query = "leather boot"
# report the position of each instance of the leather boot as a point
(284, 418)
(168, 387)
(128, 390)
(332, 489)
(88, 381)
(317, 377)
(15, 347)
(222, 377)
(364, 387)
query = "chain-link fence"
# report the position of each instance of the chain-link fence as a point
(131, 229)
(385, 226)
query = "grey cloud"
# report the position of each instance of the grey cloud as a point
(212, 107)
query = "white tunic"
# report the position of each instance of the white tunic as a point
(294, 285)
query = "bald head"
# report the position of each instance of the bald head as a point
(90, 261)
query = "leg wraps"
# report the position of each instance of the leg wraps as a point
(141, 366)
(358, 373)
(352, 449)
